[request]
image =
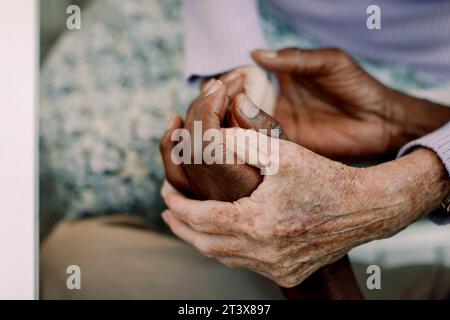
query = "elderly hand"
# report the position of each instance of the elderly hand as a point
(330, 105)
(310, 213)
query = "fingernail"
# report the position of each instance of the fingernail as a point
(213, 87)
(247, 107)
(267, 54)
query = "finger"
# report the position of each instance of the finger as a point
(207, 243)
(231, 120)
(234, 82)
(301, 61)
(174, 173)
(205, 214)
(249, 116)
(209, 107)
(258, 88)
(202, 83)
(250, 264)
(242, 262)
(287, 114)
(167, 189)
(248, 146)
(266, 153)
(195, 222)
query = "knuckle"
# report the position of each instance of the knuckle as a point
(337, 53)
(284, 283)
(297, 278)
(340, 57)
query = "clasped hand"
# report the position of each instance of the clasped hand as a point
(314, 210)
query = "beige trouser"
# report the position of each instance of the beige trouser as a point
(120, 258)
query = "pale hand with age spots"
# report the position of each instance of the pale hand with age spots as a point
(310, 214)
(274, 231)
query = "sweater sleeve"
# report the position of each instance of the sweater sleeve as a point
(219, 35)
(439, 142)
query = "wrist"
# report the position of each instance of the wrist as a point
(406, 189)
(411, 118)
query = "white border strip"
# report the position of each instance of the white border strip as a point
(18, 61)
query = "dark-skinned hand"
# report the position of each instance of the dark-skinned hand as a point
(218, 106)
(330, 105)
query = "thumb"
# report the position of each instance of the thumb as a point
(209, 107)
(249, 116)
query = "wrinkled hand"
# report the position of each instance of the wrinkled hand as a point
(330, 105)
(294, 223)
(242, 112)
(310, 213)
